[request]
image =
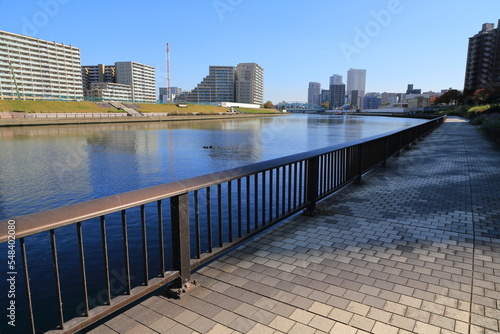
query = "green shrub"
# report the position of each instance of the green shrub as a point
(479, 109)
(491, 127)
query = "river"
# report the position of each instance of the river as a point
(51, 166)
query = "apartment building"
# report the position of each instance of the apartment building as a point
(97, 73)
(243, 83)
(109, 91)
(142, 79)
(249, 83)
(34, 69)
(483, 59)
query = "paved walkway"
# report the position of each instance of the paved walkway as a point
(415, 249)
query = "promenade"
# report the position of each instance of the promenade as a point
(414, 249)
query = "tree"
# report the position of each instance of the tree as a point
(326, 105)
(268, 105)
(481, 95)
(452, 96)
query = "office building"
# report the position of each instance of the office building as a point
(483, 59)
(34, 69)
(372, 101)
(356, 85)
(249, 83)
(142, 79)
(325, 96)
(389, 98)
(412, 91)
(314, 93)
(163, 94)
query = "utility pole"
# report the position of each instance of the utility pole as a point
(168, 75)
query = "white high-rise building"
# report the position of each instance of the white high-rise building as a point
(34, 69)
(142, 79)
(314, 93)
(356, 86)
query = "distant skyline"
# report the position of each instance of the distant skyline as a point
(398, 42)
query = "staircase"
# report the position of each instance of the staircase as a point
(129, 111)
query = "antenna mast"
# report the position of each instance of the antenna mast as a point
(169, 95)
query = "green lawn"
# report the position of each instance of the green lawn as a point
(52, 107)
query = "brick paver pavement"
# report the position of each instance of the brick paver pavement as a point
(414, 249)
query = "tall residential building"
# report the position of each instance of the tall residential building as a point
(483, 59)
(336, 79)
(314, 93)
(142, 79)
(326, 96)
(217, 86)
(356, 86)
(97, 73)
(337, 92)
(34, 69)
(249, 83)
(244, 83)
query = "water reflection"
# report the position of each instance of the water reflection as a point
(51, 166)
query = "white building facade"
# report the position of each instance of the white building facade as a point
(34, 69)
(356, 86)
(142, 79)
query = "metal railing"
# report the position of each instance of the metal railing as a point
(151, 237)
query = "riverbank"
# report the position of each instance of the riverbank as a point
(50, 119)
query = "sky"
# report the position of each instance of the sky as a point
(398, 42)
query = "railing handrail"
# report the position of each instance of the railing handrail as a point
(34, 223)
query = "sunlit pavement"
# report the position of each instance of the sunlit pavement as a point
(414, 249)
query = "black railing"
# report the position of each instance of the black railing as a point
(148, 238)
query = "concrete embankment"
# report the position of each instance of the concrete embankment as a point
(63, 119)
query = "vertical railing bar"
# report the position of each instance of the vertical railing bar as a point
(57, 278)
(295, 181)
(125, 252)
(256, 200)
(277, 192)
(289, 187)
(271, 194)
(209, 220)
(219, 215)
(105, 259)
(248, 202)
(332, 170)
(197, 224)
(144, 244)
(230, 209)
(283, 191)
(160, 237)
(27, 285)
(264, 198)
(82, 269)
(301, 180)
(240, 222)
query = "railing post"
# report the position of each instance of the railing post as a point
(179, 208)
(312, 186)
(359, 172)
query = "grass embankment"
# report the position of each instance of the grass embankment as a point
(52, 107)
(198, 108)
(487, 117)
(258, 111)
(173, 109)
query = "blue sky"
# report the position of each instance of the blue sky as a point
(397, 41)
